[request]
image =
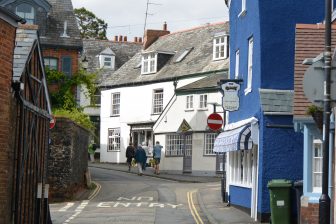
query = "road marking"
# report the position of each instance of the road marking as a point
(116, 204)
(95, 193)
(78, 210)
(69, 205)
(213, 185)
(192, 208)
(135, 199)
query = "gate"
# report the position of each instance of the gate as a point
(29, 197)
(187, 153)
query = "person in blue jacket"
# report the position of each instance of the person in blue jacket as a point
(140, 157)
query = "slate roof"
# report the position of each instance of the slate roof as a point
(25, 39)
(309, 43)
(123, 52)
(276, 101)
(209, 82)
(11, 15)
(198, 61)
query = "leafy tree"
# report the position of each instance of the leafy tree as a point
(90, 25)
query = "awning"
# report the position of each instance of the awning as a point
(235, 139)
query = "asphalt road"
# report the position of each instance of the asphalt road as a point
(127, 198)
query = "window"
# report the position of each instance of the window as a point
(115, 104)
(113, 143)
(95, 99)
(157, 101)
(106, 62)
(317, 166)
(203, 101)
(209, 140)
(27, 12)
(249, 66)
(184, 54)
(220, 47)
(243, 8)
(149, 63)
(175, 145)
(66, 65)
(237, 65)
(241, 163)
(189, 102)
(51, 63)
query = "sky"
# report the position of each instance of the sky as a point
(127, 17)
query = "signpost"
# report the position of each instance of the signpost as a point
(215, 121)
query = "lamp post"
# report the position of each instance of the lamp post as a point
(324, 201)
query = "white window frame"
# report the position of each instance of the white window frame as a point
(209, 140)
(157, 101)
(113, 141)
(149, 63)
(241, 164)
(174, 145)
(243, 8)
(189, 102)
(237, 64)
(249, 66)
(220, 47)
(317, 170)
(104, 64)
(115, 104)
(29, 17)
(203, 102)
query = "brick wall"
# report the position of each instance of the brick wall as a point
(310, 214)
(68, 160)
(59, 53)
(7, 41)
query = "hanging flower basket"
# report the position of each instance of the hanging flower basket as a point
(317, 114)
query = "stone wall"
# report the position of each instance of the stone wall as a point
(68, 160)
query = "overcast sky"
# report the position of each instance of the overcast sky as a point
(127, 17)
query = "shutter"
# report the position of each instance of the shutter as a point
(66, 66)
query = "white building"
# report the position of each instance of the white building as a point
(143, 89)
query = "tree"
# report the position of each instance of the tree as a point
(90, 25)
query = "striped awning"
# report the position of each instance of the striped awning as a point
(235, 139)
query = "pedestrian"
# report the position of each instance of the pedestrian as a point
(157, 157)
(145, 147)
(140, 157)
(130, 153)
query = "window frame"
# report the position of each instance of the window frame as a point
(217, 47)
(67, 73)
(249, 66)
(241, 164)
(189, 102)
(115, 104)
(203, 104)
(24, 14)
(157, 107)
(314, 188)
(48, 59)
(237, 61)
(114, 134)
(102, 61)
(209, 140)
(149, 61)
(174, 145)
(243, 8)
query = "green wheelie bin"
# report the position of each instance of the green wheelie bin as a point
(280, 191)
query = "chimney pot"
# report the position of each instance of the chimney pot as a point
(165, 26)
(135, 39)
(120, 38)
(140, 39)
(116, 38)
(125, 38)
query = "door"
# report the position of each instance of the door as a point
(220, 166)
(187, 153)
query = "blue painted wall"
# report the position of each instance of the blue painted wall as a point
(272, 25)
(240, 196)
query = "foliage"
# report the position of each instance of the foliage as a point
(63, 101)
(312, 109)
(90, 25)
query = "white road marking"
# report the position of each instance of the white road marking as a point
(69, 205)
(78, 210)
(116, 204)
(213, 185)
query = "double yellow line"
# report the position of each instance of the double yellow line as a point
(193, 209)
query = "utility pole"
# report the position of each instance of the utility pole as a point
(148, 3)
(324, 201)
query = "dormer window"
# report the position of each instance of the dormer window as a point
(27, 12)
(220, 46)
(107, 59)
(149, 63)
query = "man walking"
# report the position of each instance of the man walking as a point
(130, 153)
(157, 157)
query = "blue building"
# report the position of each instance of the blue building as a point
(260, 140)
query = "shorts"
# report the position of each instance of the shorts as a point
(157, 161)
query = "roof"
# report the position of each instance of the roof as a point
(309, 42)
(123, 52)
(210, 82)
(25, 40)
(6, 14)
(198, 61)
(276, 101)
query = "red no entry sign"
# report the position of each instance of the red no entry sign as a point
(215, 121)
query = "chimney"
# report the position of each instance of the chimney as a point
(152, 35)
(125, 38)
(135, 40)
(140, 39)
(116, 38)
(120, 38)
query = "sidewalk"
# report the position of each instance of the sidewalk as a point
(209, 199)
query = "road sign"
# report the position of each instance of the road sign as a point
(184, 127)
(230, 98)
(52, 122)
(215, 121)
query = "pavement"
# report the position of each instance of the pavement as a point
(210, 200)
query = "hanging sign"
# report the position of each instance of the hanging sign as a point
(230, 99)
